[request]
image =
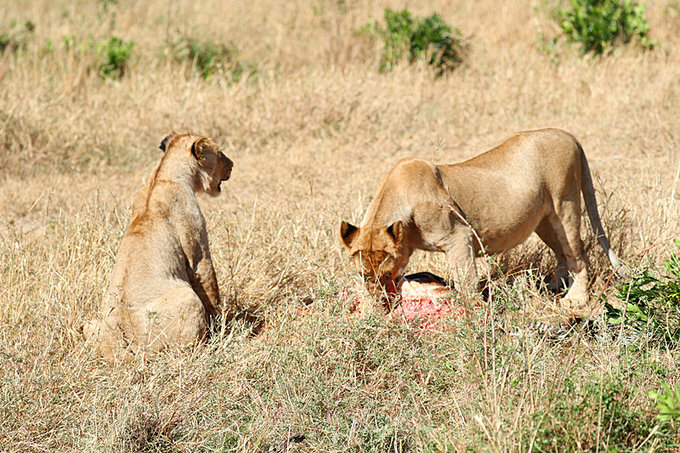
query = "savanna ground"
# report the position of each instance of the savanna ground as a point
(311, 125)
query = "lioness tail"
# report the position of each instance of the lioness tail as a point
(591, 207)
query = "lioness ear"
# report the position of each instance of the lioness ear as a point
(164, 143)
(197, 147)
(348, 233)
(201, 146)
(396, 231)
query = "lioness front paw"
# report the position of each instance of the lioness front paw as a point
(579, 308)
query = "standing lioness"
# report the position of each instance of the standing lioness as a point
(531, 182)
(163, 284)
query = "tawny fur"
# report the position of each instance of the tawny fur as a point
(532, 182)
(163, 287)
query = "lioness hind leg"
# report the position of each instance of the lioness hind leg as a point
(567, 227)
(560, 278)
(177, 317)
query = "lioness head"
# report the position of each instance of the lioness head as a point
(378, 255)
(208, 164)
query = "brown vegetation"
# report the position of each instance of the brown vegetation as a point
(311, 126)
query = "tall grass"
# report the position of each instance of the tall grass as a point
(311, 128)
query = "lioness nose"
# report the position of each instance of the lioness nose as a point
(226, 161)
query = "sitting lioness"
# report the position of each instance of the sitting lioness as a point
(163, 286)
(485, 205)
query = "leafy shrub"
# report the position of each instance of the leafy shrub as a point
(598, 25)
(17, 37)
(113, 56)
(109, 57)
(668, 403)
(208, 58)
(416, 38)
(651, 303)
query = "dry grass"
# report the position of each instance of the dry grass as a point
(311, 130)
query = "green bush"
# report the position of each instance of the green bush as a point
(17, 37)
(651, 304)
(598, 25)
(414, 37)
(109, 57)
(208, 58)
(113, 56)
(668, 403)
